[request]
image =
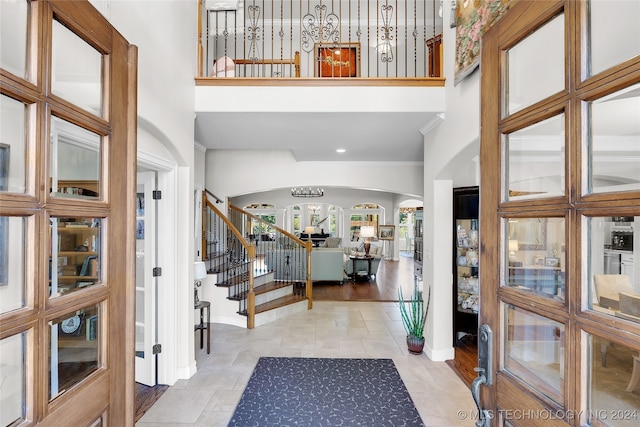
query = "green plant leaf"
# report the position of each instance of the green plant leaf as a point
(413, 312)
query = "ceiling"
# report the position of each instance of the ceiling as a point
(388, 137)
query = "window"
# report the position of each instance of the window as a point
(363, 214)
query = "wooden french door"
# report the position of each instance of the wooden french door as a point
(67, 216)
(560, 193)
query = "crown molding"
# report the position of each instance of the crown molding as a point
(199, 147)
(431, 124)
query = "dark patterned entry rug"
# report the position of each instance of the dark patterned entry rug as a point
(292, 391)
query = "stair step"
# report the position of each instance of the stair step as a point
(270, 286)
(276, 303)
(222, 267)
(232, 281)
(260, 277)
(237, 297)
(259, 290)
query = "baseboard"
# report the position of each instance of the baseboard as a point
(439, 355)
(238, 320)
(186, 372)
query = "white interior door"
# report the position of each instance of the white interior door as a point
(145, 280)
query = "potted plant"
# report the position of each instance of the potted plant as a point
(414, 316)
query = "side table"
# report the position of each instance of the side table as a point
(202, 305)
(354, 260)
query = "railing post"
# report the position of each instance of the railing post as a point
(251, 296)
(309, 283)
(200, 55)
(204, 255)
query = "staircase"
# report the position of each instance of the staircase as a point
(247, 277)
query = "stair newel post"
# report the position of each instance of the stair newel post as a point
(251, 296)
(309, 284)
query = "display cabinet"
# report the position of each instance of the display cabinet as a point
(418, 230)
(466, 236)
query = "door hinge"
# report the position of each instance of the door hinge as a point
(157, 271)
(157, 195)
(157, 348)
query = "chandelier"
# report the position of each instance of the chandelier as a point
(307, 192)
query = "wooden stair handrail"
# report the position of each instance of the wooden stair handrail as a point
(307, 244)
(251, 254)
(251, 249)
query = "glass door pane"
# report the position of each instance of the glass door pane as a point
(75, 255)
(614, 383)
(14, 35)
(614, 141)
(13, 247)
(528, 63)
(535, 160)
(74, 161)
(13, 145)
(535, 258)
(12, 379)
(74, 348)
(614, 285)
(609, 48)
(534, 351)
(77, 70)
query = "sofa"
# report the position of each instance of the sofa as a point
(327, 264)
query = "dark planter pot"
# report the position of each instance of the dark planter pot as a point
(415, 344)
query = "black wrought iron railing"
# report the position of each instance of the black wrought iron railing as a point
(277, 251)
(240, 247)
(230, 257)
(320, 38)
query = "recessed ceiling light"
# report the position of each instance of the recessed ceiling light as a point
(340, 150)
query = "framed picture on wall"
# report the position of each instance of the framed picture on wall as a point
(551, 262)
(386, 232)
(337, 59)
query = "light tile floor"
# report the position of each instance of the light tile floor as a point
(330, 329)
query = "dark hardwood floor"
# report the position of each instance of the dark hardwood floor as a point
(382, 287)
(465, 360)
(146, 396)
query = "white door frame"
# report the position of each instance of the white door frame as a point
(166, 242)
(145, 366)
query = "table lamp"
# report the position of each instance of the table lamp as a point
(513, 248)
(199, 273)
(367, 231)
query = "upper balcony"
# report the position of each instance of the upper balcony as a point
(302, 74)
(320, 42)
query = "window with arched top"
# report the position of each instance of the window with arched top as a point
(265, 212)
(297, 221)
(363, 214)
(335, 213)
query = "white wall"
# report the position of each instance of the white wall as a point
(227, 170)
(391, 182)
(450, 160)
(165, 109)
